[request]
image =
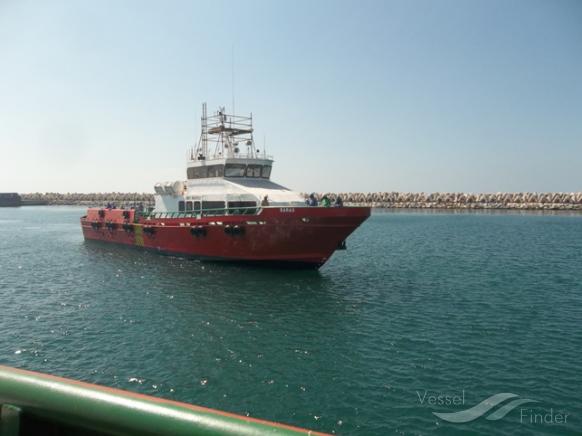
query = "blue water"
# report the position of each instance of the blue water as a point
(420, 305)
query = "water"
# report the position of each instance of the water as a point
(442, 303)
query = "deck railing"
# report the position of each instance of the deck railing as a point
(33, 403)
(254, 210)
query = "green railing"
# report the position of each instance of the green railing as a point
(254, 210)
(33, 403)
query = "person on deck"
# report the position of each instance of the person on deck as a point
(312, 201)
(265, 201)
(338, 202)
(325, 202)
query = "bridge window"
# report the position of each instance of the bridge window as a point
(205, 172)
(180, 206)
(216, 171)
(229, 170)
(254, 171)
(197, 172)
(234, 170)
(188, 206)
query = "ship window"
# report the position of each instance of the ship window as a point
(197, 172)
(254, 171)
(242, 207)
(188, 206)
(196, 206)
(234, 170)
(216, 171)
(266, 172)
(181, 206)
(213, 207)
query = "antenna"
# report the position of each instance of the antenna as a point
(232, 65)
(204, 135)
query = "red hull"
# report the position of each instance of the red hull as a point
(299, 236)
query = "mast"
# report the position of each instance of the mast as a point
(204, 131)
(223, 135)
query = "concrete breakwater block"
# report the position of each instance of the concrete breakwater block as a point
(402, 200)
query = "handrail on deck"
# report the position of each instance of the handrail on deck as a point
(252, 210)
(42, 399)
(223, 211)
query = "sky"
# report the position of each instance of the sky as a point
(411, 95)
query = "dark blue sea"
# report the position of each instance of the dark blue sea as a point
(425, 312)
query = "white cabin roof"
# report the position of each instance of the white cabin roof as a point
(241, 188)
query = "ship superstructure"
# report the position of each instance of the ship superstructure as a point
(226, 170)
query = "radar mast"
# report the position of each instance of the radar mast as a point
(225, 135)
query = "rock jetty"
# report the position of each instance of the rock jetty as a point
(460, 200)
(92, 199)
(397, 200)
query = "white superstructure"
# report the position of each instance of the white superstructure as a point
(225, 172)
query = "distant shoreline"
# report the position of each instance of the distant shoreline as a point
(380, 200)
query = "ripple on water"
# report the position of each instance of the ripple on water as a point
(442, 303)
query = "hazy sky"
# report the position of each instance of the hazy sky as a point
(411, 95)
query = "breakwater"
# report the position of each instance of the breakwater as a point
(91, 199)
(459, 200)
(396, 200)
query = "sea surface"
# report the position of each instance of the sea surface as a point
(425, 312)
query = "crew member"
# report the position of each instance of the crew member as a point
(312, 201)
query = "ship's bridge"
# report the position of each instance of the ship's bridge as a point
(227, 149)
(237, 167)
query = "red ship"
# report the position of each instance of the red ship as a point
(228, 209)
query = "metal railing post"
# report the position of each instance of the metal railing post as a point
(9, 420)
